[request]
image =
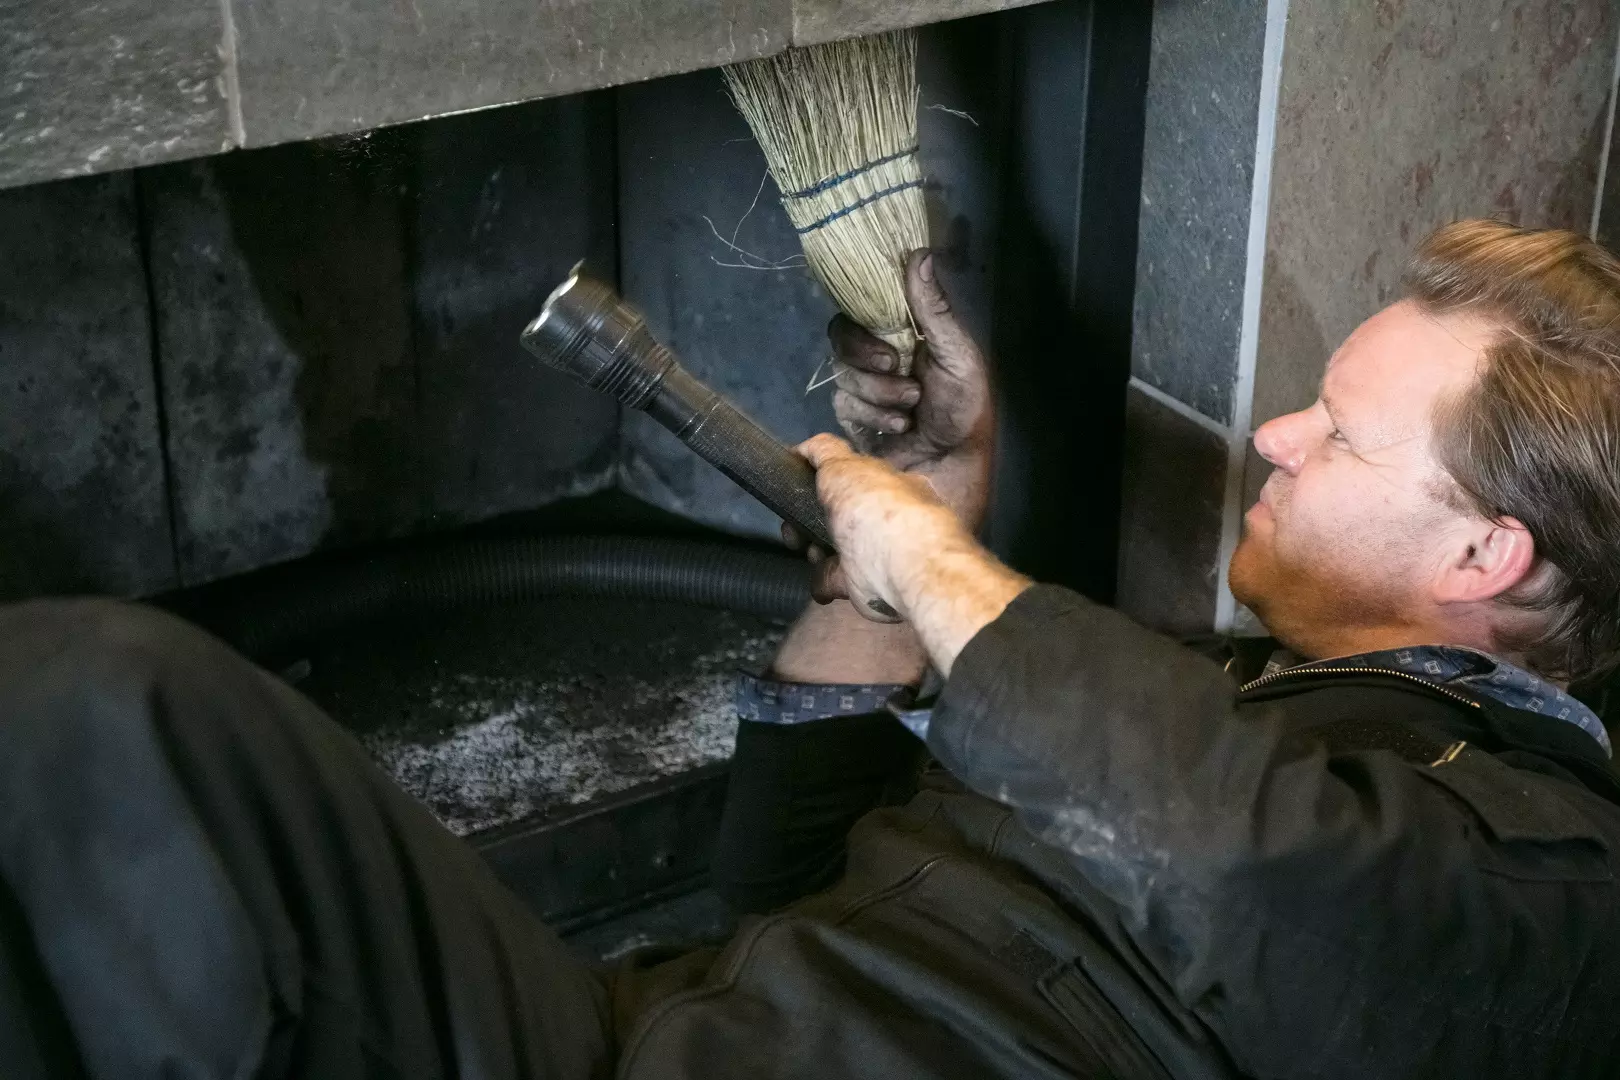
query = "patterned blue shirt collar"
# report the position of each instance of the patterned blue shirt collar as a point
(1481, 675)
(1473, 672)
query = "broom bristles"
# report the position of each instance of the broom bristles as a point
(838, 125)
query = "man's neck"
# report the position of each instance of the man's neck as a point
(1359, 641)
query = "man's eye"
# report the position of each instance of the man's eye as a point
(1336, 436)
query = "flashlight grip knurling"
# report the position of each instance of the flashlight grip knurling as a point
(727, 439)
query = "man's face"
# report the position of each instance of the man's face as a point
(1350, 529)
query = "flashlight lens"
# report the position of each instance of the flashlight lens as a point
(556, 294)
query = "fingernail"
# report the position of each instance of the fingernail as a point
(897, 423)
(912, 395)
(925, 269)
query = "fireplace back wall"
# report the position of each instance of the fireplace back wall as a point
(215, 365)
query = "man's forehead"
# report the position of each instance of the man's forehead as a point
(1403, 358)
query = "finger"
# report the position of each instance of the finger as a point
(823, 449)
(887, 391)
(950, 345)
(858, 347)
(851, 410)
(864, 439)
(793, 538)
(827, 582)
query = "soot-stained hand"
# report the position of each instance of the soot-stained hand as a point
(937, 422)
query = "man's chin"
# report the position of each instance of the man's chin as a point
(1245, 574)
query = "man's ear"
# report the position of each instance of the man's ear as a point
(1487, 559)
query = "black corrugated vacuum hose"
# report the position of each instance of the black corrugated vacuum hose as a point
(271, 613)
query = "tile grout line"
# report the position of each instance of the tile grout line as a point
(1608, 142)
(1181, 408)
(233, 81)
(1237, 446)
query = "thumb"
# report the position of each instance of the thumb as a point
(819, 450)
(948, 341)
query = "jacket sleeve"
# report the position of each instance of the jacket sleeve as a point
(1295, 900)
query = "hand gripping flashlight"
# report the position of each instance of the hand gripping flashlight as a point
(587, 331)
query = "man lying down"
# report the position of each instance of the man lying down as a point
(1390, 855)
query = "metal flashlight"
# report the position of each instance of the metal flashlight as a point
(587, 331)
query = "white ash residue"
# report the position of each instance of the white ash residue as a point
(510, 746)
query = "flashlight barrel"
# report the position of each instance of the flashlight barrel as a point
(590, 333)
(725, 437)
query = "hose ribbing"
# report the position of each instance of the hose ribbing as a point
(275, 610)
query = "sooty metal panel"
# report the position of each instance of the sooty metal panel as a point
(82, 499)
(507, 201)
(284, 336)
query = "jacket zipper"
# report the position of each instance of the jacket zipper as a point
(1277, 676)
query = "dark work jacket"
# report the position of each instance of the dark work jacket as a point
(1131, 872)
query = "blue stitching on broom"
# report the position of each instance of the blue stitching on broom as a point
(834, 181)
(852, 207)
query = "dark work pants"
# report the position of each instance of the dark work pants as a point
(215, 881)
(201, 875)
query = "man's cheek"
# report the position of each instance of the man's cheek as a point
(1293, 531)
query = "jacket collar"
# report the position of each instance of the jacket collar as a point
(1480, 721)
(1476, 674)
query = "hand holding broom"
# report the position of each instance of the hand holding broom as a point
(838, 125)
(940, 418)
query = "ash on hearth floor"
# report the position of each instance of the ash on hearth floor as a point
(501, 714)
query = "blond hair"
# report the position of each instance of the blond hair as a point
(1537, 436)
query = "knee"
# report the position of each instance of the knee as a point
(88, 630)
(64, 661)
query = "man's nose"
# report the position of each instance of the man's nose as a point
(1281, 441)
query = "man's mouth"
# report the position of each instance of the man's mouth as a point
(1265, 506)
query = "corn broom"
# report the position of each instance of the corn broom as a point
(838, 125)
